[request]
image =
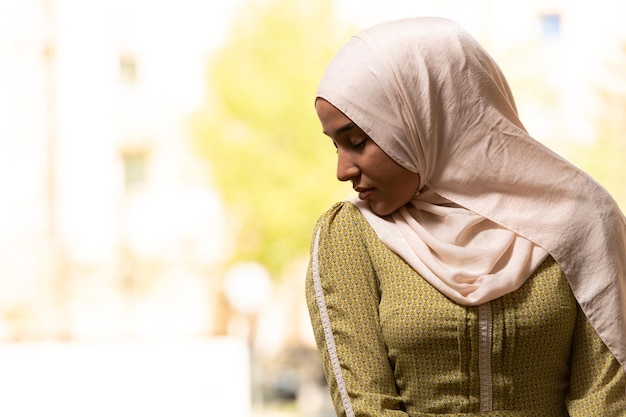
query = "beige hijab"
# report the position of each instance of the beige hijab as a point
(493, 201)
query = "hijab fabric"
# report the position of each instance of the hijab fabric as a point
(493, 202)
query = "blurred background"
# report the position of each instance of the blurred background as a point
(162, 168)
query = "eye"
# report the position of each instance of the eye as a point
(361, 143)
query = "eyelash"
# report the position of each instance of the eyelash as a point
(360, 145)
(357, 146)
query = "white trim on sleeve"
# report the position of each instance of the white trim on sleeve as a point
(328, 331)
(485, 332)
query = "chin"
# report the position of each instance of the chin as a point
(381, 210)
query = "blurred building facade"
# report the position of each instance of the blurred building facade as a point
(109, 224)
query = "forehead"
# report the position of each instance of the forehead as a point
(330, 117)
(325, 109)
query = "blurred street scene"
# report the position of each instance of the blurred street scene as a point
(162, 168)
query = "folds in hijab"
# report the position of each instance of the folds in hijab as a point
(493, 202)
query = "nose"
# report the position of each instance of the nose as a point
(346, 168)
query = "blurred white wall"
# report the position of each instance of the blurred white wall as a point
(192, 379)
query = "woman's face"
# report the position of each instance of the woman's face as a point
(381, 181)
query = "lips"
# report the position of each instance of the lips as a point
(364, 193)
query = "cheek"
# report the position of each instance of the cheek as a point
(397, 184)
(405, 185)
(413, 183)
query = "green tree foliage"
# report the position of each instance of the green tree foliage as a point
(271, 163)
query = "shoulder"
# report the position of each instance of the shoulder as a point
(342, 243)
(342, 218)
(341, 226)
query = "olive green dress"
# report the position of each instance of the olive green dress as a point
(392, 345)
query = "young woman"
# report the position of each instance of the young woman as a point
(477, 273)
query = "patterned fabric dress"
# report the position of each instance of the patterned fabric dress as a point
(392, 345)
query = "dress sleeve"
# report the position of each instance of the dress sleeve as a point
(343, 297)
(597, 381)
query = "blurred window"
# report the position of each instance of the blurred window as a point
(128, 69)
(135, 168)
(550, 25)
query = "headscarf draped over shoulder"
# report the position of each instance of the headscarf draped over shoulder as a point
(435, 101)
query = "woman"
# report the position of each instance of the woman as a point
(478, 273)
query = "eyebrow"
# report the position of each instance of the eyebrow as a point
(344, 128)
